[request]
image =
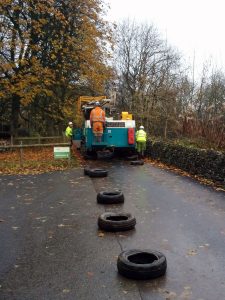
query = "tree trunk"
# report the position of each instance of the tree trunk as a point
(15, 114)
(165, 129)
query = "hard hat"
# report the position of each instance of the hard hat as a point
(97, 103)
(70, 123)
(141, 127)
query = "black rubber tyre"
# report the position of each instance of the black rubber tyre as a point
(141, 264)
(97, 173)
(137, 162)
(86, 171)
(132, 157)
(113, 197)
(110, 221)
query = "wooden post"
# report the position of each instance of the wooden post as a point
(21, 153)
(69, 160)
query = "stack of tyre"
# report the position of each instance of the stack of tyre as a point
(135, 161)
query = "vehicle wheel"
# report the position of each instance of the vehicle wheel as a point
(137, 264)
(137, 162)
(110, 221)
(97, 173)
(105, 155)
(82, 148)
(113, 197)
(86, 171)
(86, 156)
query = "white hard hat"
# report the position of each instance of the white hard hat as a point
(141, 127)
(70, 123)
(97, 103)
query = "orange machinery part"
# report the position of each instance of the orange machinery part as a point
(130, 136)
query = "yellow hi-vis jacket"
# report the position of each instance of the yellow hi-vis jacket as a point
(141, 136)
(69, 131)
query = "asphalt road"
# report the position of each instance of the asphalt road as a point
(50, 246)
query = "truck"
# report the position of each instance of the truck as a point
(119, 132)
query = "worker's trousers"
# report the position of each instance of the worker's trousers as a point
(141, 147)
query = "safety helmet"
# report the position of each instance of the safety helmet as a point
(97, 103)
(141, 127)
(70, 123)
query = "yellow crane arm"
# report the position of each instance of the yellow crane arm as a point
(83, 99)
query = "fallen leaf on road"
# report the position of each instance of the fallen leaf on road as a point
(90, 274)
(219, 189)
(168, 295)
(38, 218)
(186, 294)
(63, 225)
(101, 234)
(66, 291)
(1, 220)
(192, 252)
(15, 228)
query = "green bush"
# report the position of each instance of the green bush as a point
(207, 163)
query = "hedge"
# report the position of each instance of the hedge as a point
(206, 163)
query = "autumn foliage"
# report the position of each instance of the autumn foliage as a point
(33, 161)
(49, 50)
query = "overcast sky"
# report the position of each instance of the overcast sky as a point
(194, 27)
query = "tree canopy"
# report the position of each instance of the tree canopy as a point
(48, 50)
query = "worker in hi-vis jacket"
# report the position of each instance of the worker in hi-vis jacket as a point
(141, 141)
(97, 119)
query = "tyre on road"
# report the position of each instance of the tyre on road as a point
(137, 162)
(97, 173)
(132, 157)
(141, 264)
(86, 171)
(112, 197)
(111, 221)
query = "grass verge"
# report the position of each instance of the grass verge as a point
(33, 161)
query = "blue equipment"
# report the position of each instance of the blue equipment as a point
(117, 135)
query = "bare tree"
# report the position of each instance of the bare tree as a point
(147, 75)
